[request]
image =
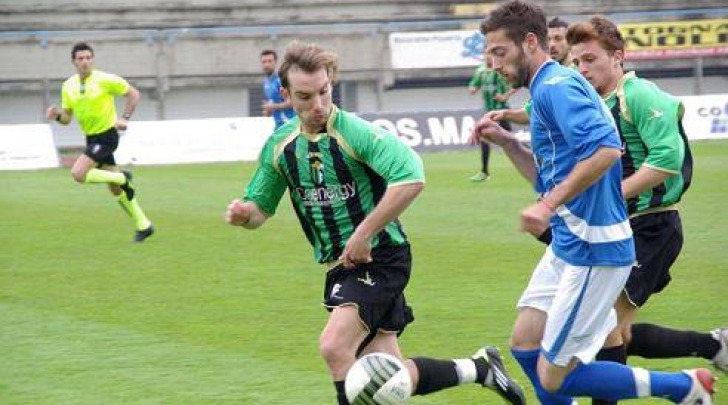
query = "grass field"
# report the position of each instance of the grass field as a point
(205, 313)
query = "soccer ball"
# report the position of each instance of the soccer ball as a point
(378, 378)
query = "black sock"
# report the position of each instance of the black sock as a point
(657, 342)
(341, 393)
(617, 354)
(435, 375)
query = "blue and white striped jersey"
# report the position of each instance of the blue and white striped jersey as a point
(569, 122)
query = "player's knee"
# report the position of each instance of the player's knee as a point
(549, 382)
(522, 339)
(79, 176)
(332, 351)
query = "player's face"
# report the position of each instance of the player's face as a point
(603, 69)
(558, 47)
(269, 64)
(507, 58)
(310, 95)
(83, 61)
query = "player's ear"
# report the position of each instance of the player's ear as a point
(618, 58)
(285, 94)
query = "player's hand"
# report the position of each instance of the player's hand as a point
(500, 98)
(357, 251)
(268, 109)
(496, 115)
(535, 219)
(121, 124)
(238, 213)
(52, 113)
(489, 130)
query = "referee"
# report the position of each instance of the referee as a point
(89, 95)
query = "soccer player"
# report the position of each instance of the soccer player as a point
(558, 46)
(89, 96)
(657, 168)
(566, 311)
(495, 91)
(349, 181)
(274, 103)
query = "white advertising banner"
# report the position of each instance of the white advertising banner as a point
(27, 147)
(193, 141)
(706, 117)
(436, 49)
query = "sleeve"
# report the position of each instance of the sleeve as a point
(655, 114)
(528, 106)
(115, 85)
(477, 79)
(386, 154)
(582, 117)
(267, 186)
(66, 101)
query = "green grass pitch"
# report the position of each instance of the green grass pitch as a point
(205, 313)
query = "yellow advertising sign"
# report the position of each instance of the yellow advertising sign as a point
(675, 39)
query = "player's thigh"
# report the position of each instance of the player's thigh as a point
(582, 313)
(658, 242)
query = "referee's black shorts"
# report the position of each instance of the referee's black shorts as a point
(376, 289)
(658, 240)
(101, 147)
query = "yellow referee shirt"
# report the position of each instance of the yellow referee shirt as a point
(92, 102)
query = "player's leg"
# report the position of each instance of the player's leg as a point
(482, 175)
(98, 150)
(659, 240)
(576, 329)
(431, 375)
(338, 345)
(530, 323)
(361, 300)
(485, 158)
(142, 224)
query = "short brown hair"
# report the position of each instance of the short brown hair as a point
(518, 18)
(309, 58)
(600, 29)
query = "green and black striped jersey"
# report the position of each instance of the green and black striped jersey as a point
(334, 179)
(650, 125)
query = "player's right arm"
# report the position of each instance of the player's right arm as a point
(60, 115)
(488, 130)
(246, 214)
(516, 115)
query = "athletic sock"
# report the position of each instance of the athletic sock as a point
(616, 382)
(435, 375)
(528, 359)
(133, 209)
(658, 342)
(104, 176)
(617, 354)
(341, 393)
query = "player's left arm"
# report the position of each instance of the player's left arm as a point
(393, 203)
(656, 116)
(132, 98)
(403, 172)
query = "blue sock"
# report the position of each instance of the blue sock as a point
(674, 386)
(528, 359)
(615, 382)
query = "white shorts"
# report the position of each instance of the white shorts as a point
(579, 305)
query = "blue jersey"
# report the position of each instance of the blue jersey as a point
(569, 122)
(272, 93)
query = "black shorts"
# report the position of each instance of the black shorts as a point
(376, 289)
(658, 240)
(101, 147)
